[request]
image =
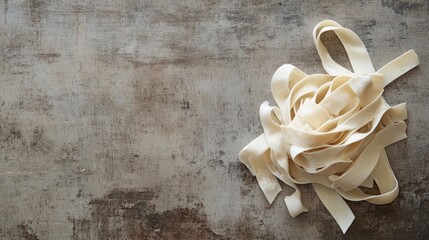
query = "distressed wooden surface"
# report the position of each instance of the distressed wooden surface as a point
(124, 119)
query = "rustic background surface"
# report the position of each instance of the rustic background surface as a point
(124, 119)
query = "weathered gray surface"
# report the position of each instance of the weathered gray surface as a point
(123, 120)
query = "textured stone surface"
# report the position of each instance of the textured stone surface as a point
(124, 119)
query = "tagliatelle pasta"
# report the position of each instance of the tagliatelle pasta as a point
(330, 130)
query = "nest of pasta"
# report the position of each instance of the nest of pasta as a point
(330, 130)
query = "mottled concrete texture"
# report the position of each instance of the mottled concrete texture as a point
(124, 119)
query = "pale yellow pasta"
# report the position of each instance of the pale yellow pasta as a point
(330, 130)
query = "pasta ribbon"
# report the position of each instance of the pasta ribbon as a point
(330, 130)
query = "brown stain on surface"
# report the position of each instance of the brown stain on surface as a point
(216, 160)
(402, 6)
(6, 7)
(131, 214)
(418, 187)
(9, 132)
(49, 57)
(37, 10)
(81, 229)
(240, 170)
(181, 223)
(34, 101)
(39, 142)
(26, 232)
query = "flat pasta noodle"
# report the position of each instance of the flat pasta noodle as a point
(330, 130)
